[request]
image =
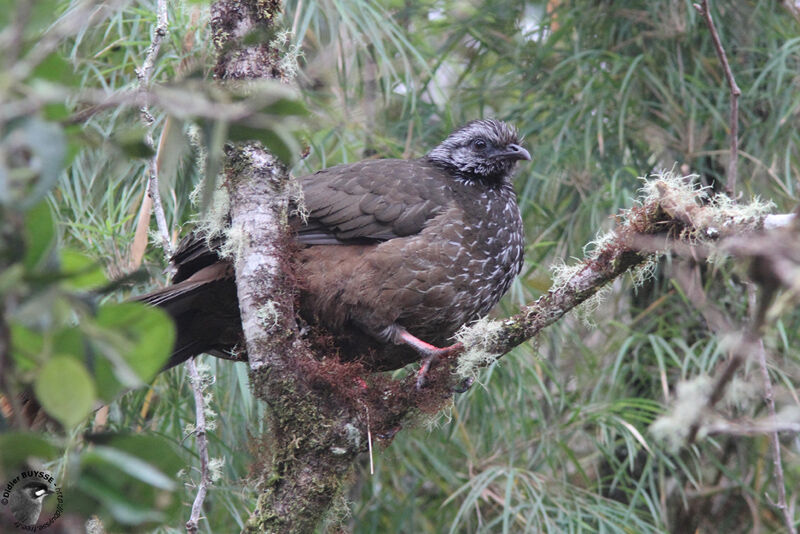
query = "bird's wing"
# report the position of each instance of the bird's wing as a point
(373, 200)
(194, 252)
(367, 201)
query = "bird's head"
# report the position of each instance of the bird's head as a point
(485, 149)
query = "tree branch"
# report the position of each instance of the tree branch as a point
(144, 73)
(202, 446)
(769, 399)
(673, 212)
(315, 435)
(735, 93)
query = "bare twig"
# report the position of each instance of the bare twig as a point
(769, 398)
(144, 73)
(153, 192)
(735, 93)
(202, 446)
(753, 429)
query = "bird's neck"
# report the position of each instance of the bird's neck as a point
(498, 180)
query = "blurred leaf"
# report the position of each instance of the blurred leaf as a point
(17, 447)
(12, 277)
(55, 112)
(70, 341)
(214, 135)
(108, 385)
(81, 271)
(121, 507)
(129, 464)
(286, 107)
(40, 15)
(147, 335)
(48, 146)
(172, 147)
(27, 346)
(40, 234)
(279, 143)
(132, 142)
(65, 390)
(56, 68)
(156, 450)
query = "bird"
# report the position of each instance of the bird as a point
(25, 501)
(393, 257)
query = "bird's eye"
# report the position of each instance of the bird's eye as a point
(479, 144)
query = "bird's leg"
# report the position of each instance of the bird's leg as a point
(430, 354)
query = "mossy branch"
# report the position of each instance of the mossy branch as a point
(672, 209)
(314, 438)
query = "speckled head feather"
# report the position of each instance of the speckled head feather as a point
(484, 150)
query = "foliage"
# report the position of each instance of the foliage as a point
(555, 436)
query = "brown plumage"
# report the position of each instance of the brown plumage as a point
(393, 252)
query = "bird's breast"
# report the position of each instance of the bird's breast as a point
(453, 271)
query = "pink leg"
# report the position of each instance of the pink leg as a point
(430, 354)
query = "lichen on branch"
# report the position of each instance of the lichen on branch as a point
(671, 208)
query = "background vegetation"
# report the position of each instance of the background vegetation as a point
(556, 436)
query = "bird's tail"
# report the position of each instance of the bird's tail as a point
(205, 311)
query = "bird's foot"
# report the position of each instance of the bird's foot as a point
(430, 353)
(431, 356)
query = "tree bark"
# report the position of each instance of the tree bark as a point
(313, 439)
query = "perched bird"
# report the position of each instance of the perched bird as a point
(394, 257)
(26, 499)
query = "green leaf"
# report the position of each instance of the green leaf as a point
(174, 145)
(48, 145)
(27, 346)
(144, 337)
(40, 232)
(55, 68)
(65, 390)
(81, 271)
(214, 135)
(286, 107)
(118, 504)
(132, 142)
(56, 111)
(156, 450)
(108, 386)
(70, 341)
(131, 465)
(17, 447)
(282, 146)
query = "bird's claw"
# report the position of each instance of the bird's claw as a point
(431, 357)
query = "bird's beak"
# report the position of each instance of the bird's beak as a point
(514, 151)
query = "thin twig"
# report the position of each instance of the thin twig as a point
(144, 74)
(369, 444)
(769, 398)
(158, 208)
(730, 428)
(735, 93)
(202, 446)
